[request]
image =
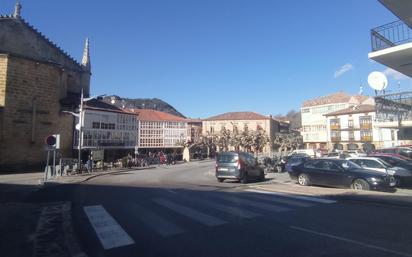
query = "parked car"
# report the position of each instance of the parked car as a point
(337, 155)
(311, 152)
(400, 162)
(240, 166)
(404, 151)
(356, 153)
(340, 173)
(402, 176)
(295, 160)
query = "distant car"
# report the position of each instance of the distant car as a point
(356, 153)
(295, 160)
(337, 155)
(240, 166)
(404, 151)
(400, 162)
(311, 152)
(402, 176)
(340, 173)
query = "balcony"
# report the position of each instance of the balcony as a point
(366, 138)
(335, 139)
(334, 126)
(366, 126)
(392, 46)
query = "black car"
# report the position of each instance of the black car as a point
(340, 173)
(240, 166)
(400, 163)
(295, 160)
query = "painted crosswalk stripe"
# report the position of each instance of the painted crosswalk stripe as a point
(190, 213)
(235, 211)
(300, 197)
(243, 201)
(155, 222)
(109, 232)
(281, 200)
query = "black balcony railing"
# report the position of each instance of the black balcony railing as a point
(391, 34)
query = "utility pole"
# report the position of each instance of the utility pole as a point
(80, 132)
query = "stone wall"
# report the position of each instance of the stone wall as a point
(31, 87)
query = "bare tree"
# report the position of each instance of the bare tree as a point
(287, 142)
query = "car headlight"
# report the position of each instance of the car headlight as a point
(375, 179)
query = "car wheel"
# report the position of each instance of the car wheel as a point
(244, 179)
(360, 184)
(220, 180)
(398, 182)
(303, 179)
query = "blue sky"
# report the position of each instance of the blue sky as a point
(213, 56)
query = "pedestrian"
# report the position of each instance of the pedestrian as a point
(89, 164)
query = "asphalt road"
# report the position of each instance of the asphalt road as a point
(183, 211)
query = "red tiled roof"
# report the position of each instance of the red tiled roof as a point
(353, 109)
(339, 97)
(361, 98)
(153, 115)
(239, 116)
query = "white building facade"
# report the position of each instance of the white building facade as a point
(314, 122)
(160, 130)
(356, 128)
(108, 129)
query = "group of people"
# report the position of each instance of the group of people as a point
(144, 160)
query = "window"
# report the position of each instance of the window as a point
(96, 125)
(306, 110)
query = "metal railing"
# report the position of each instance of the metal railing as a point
(391, 34)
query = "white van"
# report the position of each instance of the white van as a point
(311, 152)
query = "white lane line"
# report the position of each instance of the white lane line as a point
(242, 201)
(200, 217)
(235, 211)
(351, 241)
(300, 197)
(160, 225)
(109, 232)
(281, 200)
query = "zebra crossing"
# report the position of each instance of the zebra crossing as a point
(213, 209)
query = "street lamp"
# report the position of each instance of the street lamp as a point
(79, 126)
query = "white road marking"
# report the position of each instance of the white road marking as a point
(190, 213)
(352, 241)
(109, 232)
(265, 206)
(281, 200)
(239, 212)
(157, 223)
(301, 197)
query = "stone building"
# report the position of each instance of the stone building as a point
(37, 81)
(241, 120)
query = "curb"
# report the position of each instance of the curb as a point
(88, 177)
(351, 197)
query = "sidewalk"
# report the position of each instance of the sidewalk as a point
(280, 182)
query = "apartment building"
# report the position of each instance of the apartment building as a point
(108, 128)
(355, 128)
(314, 122)
(160, 131)
(245, 120)
(392, 47)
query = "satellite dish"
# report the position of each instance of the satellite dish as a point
(377, 80)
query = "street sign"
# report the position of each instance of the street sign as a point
(53, 141)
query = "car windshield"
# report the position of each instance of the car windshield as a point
(227, 158)
(386, 164)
